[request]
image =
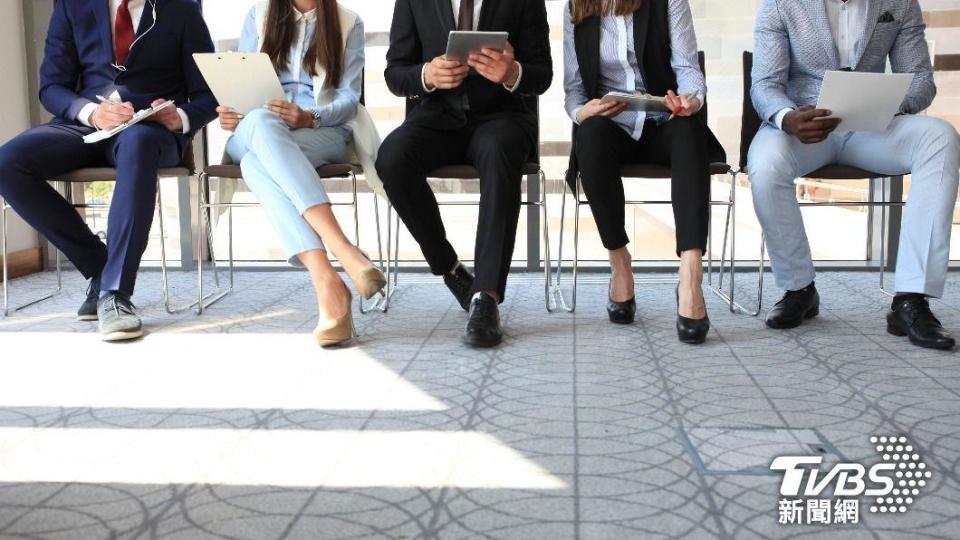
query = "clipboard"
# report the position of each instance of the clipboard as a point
(460, 43)
(242, 81)
(863, 101)
(103, 135)
(638, 102)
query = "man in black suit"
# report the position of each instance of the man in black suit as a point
(474, 114)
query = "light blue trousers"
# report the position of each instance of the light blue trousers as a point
(927, 147)
(279, 166)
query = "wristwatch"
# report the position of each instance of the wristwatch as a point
(316, 118)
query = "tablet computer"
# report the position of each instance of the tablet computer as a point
(638, 102)
(242, 81)
(460, 44)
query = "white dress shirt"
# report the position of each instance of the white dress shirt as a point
(136, 13)
(477, 5)
(848, 18)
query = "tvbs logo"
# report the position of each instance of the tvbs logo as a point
(891, 485)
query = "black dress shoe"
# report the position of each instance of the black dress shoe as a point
(460, 283)
(621, 312)
(88, 309)
(912, 317)
(794, 308)
(484, 328)
(691, 331)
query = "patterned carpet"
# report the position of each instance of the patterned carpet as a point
(233, 425)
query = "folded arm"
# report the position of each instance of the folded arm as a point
(405, 55)
(771, 63)
(532, 49)
(60, 70)
(910, 54)
(344, 106)
(201, 106)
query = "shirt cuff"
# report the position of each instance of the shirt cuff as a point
(423, 80)
(185, 119)
(85, 113)
(778, 118)
(576, 114)
(516, 85)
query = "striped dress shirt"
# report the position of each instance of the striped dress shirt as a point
(620, 69)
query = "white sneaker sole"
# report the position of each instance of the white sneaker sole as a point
(87, 318)
(122, 336)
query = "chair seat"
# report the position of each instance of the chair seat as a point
(469, 172)
(338, 170)
(842, 172)
(645, 170)
(109, 174)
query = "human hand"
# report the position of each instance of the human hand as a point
(496, 66)
(444, 73)
(110, 115)
(684, 105)
(291, 114)
(600, 108)
(809, 124)
(168, 118)
(229, 119)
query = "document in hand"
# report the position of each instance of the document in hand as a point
(242, 81)
(863, 101)
(103, 135)
(638, 102)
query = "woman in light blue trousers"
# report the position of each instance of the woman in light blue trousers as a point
(316, 47)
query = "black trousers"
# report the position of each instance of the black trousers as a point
(498, 149)
(602, 146)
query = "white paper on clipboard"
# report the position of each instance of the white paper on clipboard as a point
(103, 135)
(863, 101)
(242, 81)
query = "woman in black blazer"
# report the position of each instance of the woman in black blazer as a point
(641, 46)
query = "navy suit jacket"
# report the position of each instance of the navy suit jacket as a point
(79, 57)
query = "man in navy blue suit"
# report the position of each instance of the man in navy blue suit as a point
(105, 59)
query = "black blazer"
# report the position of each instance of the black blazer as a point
(419, 34)
(651, 34)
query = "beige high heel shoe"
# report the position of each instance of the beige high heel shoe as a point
(369, 280)
(338, 331)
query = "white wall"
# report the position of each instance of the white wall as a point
(14, 102)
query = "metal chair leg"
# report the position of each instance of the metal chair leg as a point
(164, 271)
(382, 304)
(206, 223)
(561, 301)
(547, 260)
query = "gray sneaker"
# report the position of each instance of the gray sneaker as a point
(118, 318)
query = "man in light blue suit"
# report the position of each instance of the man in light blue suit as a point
(796, 42)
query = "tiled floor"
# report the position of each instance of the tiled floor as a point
(233, 425)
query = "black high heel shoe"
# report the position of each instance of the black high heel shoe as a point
(691, 331)
(621, 312)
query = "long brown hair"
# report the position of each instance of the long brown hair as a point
(326, 48)
(584, 9)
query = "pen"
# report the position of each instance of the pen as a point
(107, 100)
(676, 111)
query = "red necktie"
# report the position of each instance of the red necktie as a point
(122, 33)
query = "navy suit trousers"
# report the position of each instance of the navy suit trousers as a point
(40, 154)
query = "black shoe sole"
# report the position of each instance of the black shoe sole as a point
(809, 315)
(617, 320)
(479, 344)
(894, 330)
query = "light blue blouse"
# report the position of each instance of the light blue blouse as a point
(297, 81)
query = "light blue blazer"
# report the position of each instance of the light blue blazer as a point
(794, 47)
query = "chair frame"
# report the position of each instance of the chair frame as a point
(63, 188)
(750, 127)
(730, 233)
